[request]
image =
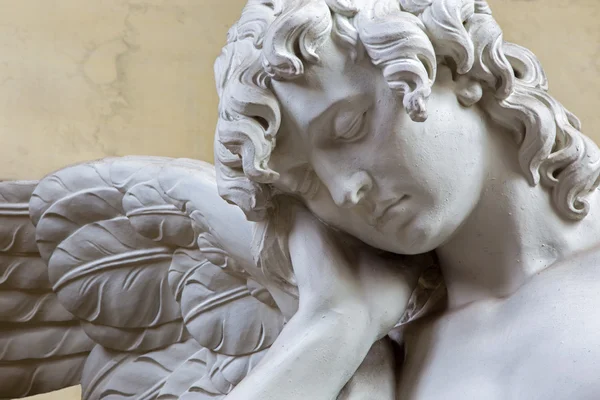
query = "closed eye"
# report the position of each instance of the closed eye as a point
(352, 129)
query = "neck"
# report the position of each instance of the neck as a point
(513, 233)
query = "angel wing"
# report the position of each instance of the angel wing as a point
(42, 346)
(147, 260)
(158, 270)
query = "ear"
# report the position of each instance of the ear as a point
(468, 90)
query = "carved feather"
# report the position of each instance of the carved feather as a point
(27, 272)
(222, 375)
(226, 372)
(111, 230)
(20, 342)
(31, 307)
(152, 216)
(116, 375)
(218, 307)
(111, 265)
(103, 271)
(42, 346)
(185, 376)
(34, 376)
(17, 234)
(74, 211)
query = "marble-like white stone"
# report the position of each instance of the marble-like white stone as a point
(398, 210)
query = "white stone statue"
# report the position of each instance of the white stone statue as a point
(399, 210)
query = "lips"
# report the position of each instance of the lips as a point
(381, 211)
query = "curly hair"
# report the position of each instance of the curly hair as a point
(277, 39)
(406, 39)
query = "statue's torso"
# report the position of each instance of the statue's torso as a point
(543, 342)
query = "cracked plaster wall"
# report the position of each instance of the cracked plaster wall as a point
(83, 79)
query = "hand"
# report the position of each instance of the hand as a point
(350, 296)
(339, 276)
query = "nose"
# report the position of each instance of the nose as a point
(350, 191)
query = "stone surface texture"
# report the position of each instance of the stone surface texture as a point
(465, 224)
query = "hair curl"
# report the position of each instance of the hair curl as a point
(277, 39)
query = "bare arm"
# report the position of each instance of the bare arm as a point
(348, 300)
(313, 358)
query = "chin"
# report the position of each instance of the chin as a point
(418, 237)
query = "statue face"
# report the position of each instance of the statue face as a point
(396, 184)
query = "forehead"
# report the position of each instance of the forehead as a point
(310, 100)
(334, 80)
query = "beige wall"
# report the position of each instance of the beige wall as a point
(72, 393)
(82, 79)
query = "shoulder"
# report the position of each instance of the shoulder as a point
(569, 285)
(557, 300)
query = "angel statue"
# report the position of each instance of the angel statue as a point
(398, 210)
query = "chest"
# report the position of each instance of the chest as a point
(539, 345)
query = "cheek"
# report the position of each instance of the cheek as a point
(448, 169)
(446, 153)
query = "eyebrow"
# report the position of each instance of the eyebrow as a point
(317, 121)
